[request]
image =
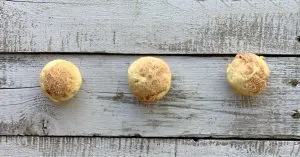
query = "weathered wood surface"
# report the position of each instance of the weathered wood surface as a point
(200, 103)
(156, 26)
(136, 147)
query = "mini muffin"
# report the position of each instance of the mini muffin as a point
(60, 80)
(149, 79)
(248, 74)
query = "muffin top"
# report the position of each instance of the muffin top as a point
(149, 79)
(60, 80)
(248, 74)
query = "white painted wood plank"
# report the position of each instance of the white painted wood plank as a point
(237, 148)
(200, 103)
(136, 147)
(73, 147)
(153, 27)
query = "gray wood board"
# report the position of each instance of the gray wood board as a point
(200, 103)
(152, 27)
(136, 147)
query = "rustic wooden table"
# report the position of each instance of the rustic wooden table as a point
(200, 116)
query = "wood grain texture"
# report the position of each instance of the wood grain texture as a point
(152, 27)
(136, 147)
(200, 103)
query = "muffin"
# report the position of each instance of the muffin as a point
(149, 79)
(248, 74)
(60, 80)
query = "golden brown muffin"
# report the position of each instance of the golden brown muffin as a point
(60, 80)
(149, 79)
(248, 74)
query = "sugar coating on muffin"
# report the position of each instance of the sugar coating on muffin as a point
(60, 80)
(149, 79)
(248, 74)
